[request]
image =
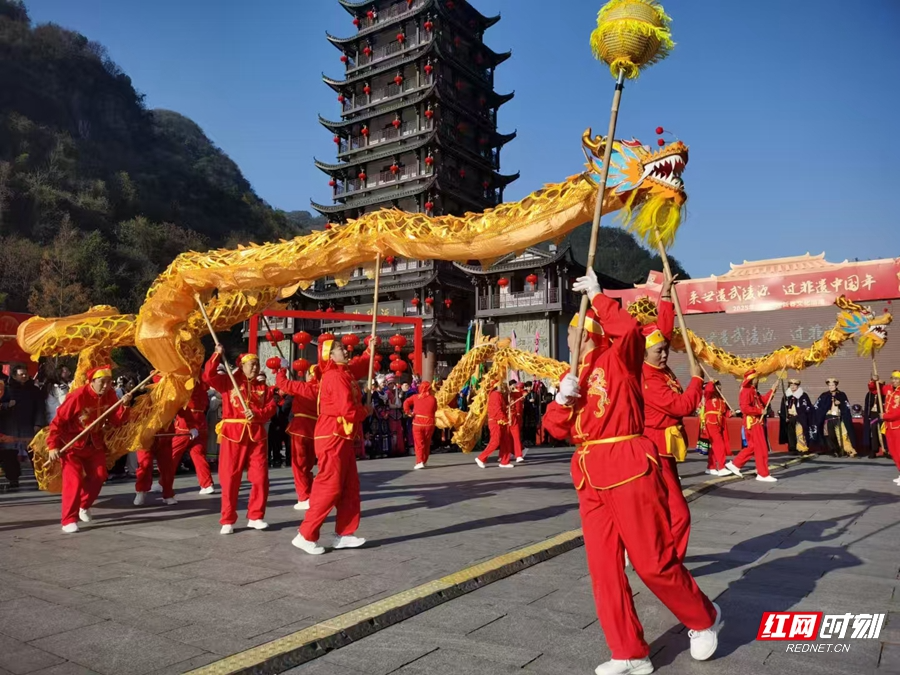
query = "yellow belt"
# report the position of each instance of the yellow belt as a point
(614, 439)
(675, 444)
(304, 416)
(753, 420)
(219, 426)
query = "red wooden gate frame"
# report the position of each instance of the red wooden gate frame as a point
(415, 322)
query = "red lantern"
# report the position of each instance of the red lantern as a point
(400, 38)
(390, 260)
(329, 310)
(429, 160)
(415, 302)
(462, 173)
(429, 206)
(302, 339)
(362, 175)
(300, 365)
(377, 343)
(394, 169)
(661, 142)
(394, 357)
(486, 184)
(448, 302)
(397, 340)
(350, 341)
(273, 363)
(341, 98)
(396, 123)
(328, 226)
(326, 336)
(371, 14)
(429, 25)
(398, 80)
(399, 366)
(429, 113)
(378, 358)
(344, 58)
(503, 282)
(429, 301)
(367, 50)
(532, 279)
(356, 21)
(364, 131)
(428, 68)
(367, 90)
(332, 183)
(660, 130)
(337, 139)
(274, 336)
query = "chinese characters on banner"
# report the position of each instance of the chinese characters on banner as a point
(861, 282)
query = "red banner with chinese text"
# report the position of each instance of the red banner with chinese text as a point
(859, 281)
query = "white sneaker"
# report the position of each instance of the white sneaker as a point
(227, 529)
(479, 463)
(85, 515)
(420, 465)
(210, 489)
(733, 469)
(704, 642)
(766, 479)
(348, 541)
(70, 528)
(257, 524)
(156, 488)
(722, 472)
(521, 459)
(507, 466)
(139, 498)
(897, 480)
(710, 472)
(170, 501)
(311, 547)
(301, 506)
(629, 667)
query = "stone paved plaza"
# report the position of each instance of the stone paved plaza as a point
(158, 590)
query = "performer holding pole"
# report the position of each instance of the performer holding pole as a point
(715, 413)
(754, 408)
(302, 428)
(76, 439)
(221, 352)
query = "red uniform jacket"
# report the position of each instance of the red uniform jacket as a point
(752, 403)
(498, 413)
(665, 404)
(516, 407)
(715, 412)
(422, 406)
(891, 415)
(607, 420)
(340, 409)
(81, 407)
(193, 415)
(303, 407)
(259, 397)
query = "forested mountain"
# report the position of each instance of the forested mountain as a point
(95, 189)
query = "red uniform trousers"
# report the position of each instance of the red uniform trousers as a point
(515, 437)
(336, 485)
(162, 451)
(499, 439)
(679, 512)
(422, 436)
(892, 436)
(197, 448)
(235, 458)
(82, 477)
(756, 447)
(303, 458)
(633, 516)
(718, 448)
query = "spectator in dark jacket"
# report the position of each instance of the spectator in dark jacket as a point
(22, 414)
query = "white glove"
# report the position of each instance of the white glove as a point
(587, 284)
(220, 369)
(194, 434)
(568, 390)
(284, 364)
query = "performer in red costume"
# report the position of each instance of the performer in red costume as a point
(754, 406)
(191, 435)
(715, 414)
(516, 411)
(891, 418)
(422, 406)
(243, 437)
(341, 414)
(621, 490)
(161, 451)
(84, 464)
(665, 404)
(302, 428)
(498, 425)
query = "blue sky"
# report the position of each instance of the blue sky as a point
(790, 109)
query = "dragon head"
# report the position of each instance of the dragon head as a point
(860, 322)
(646, 185)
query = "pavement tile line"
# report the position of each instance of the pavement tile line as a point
(315, 641)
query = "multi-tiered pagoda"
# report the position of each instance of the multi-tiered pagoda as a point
(418, 132)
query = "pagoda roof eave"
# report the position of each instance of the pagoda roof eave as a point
(383, 287)
(411, 191)
(438, 329)
(381, 25)
(352, 7)
(374, 110)
(393, 150)
(337, 85)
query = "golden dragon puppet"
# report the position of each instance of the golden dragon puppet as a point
(854, 322)
(643, 183)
